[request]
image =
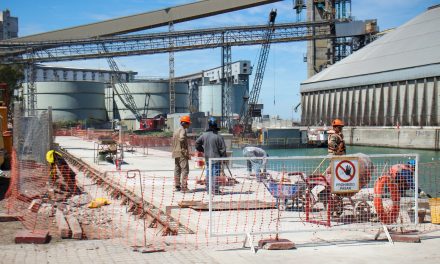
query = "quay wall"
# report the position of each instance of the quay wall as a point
(403, 137)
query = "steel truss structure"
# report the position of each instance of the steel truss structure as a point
(131, 45)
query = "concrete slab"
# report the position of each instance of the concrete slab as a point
(75, 227)
(63, 226)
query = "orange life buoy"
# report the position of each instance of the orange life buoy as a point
(386, 216)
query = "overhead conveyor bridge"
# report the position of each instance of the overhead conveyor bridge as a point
(130, 45)
(148, 20)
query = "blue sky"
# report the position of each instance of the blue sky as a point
(285, 68)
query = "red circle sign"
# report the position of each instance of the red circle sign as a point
(349, 170)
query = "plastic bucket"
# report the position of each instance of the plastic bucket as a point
(434, 206)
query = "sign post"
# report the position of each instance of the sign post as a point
(345, 175)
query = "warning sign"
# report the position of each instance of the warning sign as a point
(345, 175)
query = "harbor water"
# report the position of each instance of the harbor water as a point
(428, 167)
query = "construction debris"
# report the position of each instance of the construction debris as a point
(35, 205)
(79, 200)
(46, 209)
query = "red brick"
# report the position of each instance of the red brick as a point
(32, 237)
(276, 244)
(405, 238)
(9, 217)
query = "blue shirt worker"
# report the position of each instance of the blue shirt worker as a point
(404, 174)
(213, 146)
(257, 159)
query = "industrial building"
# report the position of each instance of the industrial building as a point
(393, 81)
(8, 25)
(322, 53)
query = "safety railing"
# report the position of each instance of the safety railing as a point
(297, 194)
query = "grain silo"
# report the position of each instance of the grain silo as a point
(210, 98)
(71, 100)
(152, 97)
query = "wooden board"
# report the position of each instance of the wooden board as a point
(234, 205)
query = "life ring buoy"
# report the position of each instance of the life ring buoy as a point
(386, 216)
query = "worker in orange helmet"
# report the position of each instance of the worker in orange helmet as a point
(336, 144)
(181, 155)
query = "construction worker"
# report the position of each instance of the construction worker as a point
(68, 181)
(181, 155)
(255, 164)
(336, 144)
(213, 146)
(404, 174)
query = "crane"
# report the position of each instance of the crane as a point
(127, 99)
(245, 122)
(296, 107)
(124, 93)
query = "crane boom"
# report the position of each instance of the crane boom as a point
(124, 94)
(246, 116)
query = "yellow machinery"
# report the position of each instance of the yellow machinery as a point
(4, 126)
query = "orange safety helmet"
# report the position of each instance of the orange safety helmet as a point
(337, 122)
(185, 119)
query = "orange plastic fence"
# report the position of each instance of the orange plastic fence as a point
(141, 208)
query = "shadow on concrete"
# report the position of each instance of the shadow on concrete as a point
(4, 184)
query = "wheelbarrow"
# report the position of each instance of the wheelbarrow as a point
(285, 190)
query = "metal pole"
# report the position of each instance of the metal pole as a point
(416, 188)
(208, 174)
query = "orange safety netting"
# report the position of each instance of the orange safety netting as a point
(142, 208)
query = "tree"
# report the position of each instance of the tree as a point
(13, 75)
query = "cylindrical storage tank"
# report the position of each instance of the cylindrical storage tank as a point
(238, 92)
(210, 97)
(71, 101)
(152, 98)
(109, 101)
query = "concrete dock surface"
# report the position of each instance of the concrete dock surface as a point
(312, 247)
(104, 251)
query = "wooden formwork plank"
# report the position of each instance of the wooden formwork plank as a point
(235, 205)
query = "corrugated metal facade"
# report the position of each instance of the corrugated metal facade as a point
(407, 103)
(394, 80)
